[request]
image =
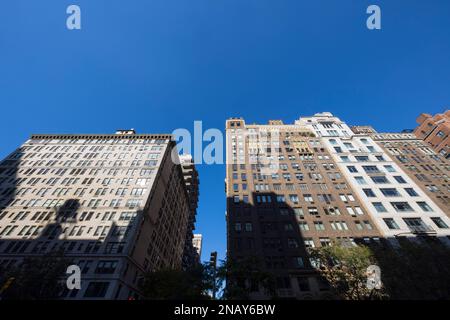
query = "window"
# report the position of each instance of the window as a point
(298, 262)
(402, 206)
(236, 199)
(325, 242)
(106, 267)
(237, 227)
(362, 158)
(292, 243)
(379, 207)
(391, 224)
(352, 169)
(440, 223)
(96, 290)
(371, 169)
(399, 179)
(358, 225)
(319, 225)
(411, 192)
(293, 198)
(360, 180)
(303, 226)
(369, 193)
(379, 179)
(351, 211)
(303, 284)
(424, 206)
(416, 225)
(248, 227)
(390, 192)
(298, 213)
(368, 225)
(389, 168)
(309, 243)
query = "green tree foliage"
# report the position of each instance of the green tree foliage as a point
(411, 270)
(170, 284)
(244, 276)
(344, 266)
(415, 270)
(37, 278)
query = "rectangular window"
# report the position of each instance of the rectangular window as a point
(379, 207)
(369, 193)
(390, 192)
(399, 179)
(371, 169)
(96, 290)
(402, 206)
(411, 192)
(380, 179)
(352, 169)
(362, 158)
(319, 225)
(440, 223)
(391, 224)
(424, 206)
(303, 226)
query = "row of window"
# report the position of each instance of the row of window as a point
(93, 203)
(379, 180)
(402, 206)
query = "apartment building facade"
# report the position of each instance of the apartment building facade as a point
(435, 130)
(285, 196)
(425, 167)
(192, 181)
(399, 207)
(198, 244)
(115, 204)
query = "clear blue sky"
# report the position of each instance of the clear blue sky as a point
(158, 65)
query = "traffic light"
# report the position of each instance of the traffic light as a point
(213, 259)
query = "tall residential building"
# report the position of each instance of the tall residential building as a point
(192, 181)
(198, 242)
(435, 130)
(115, 204)
(424, 166)
(399, 207)
(284, 196)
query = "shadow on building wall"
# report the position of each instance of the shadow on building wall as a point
(418, 269)
(50, 242)
(269, 233)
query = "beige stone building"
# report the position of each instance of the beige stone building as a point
(284, 196)
(294, 186)
(116, 204)
(428, 169)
